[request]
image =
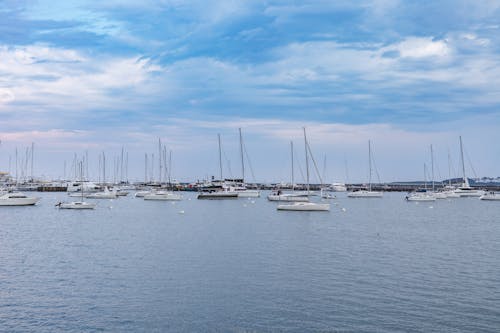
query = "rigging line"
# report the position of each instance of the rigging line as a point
(375, 167)
(228, 163)
(249, 162)
(300, 169)
(314, 163)
(470, 164)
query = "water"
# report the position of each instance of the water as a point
(382, 265)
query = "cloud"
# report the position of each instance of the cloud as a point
(418, 47)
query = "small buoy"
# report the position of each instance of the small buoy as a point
(189, 199)
(343, 209)
(181, 212)
(253, 201)
(110, 207)
(336, 203)
(431, 206)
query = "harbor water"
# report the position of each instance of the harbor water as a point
(367, 265)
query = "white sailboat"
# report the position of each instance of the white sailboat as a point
(77, 204)
(222, 192)
(367, 193)
(466, 190)
(289, 197)
(421, 194)
(305, 206)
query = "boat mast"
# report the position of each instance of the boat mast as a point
(307, 160)
(220, 157)
(432, 168)
(293, 180)
(466, 181)
(449, 167)
(369, 166)
(242, 159)
(159, 159)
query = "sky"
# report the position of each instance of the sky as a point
(90, 77)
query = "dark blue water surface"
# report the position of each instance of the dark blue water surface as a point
(368, 265)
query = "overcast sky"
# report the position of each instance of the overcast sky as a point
(96, 76)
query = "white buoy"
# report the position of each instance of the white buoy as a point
(253, 201)
(431, 206)
(343, 209)
(181, 212)
(110, 207)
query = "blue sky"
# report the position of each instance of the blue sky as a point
(95, 76)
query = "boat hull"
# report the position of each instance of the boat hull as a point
(163, 197)
(217, 196)
(365, 194)
(287, 198)
(19, 201)
(76, 205)
(304, 207)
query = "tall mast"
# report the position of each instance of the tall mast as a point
(145, 168)
(293, 180)
(449, 167)
(32, 158)
(159, 159)
(425, 176)
(466, 182)
(369, 166)
(121, 166)
(220, 157)
(307, 159)
(432, 168)
(170, 168)
(103, 168)
(242, 159)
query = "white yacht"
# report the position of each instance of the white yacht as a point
(163, 195)
(491, 196)
(420, 196)
(289, 197)
(365, 194)
(106, 194)
(338, 187)
(17, 199)
(218, 195)
(78, 186)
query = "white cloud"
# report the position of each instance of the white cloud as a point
(418, 47)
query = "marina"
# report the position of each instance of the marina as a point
(239, 265)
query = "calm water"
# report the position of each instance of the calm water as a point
(382, 265)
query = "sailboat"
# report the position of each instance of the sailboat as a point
(218, 192)
(466, 190)
(305, 206)
(289, 197)
(240, 188)
(421, 194)
(77, 204)
(367, 193)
